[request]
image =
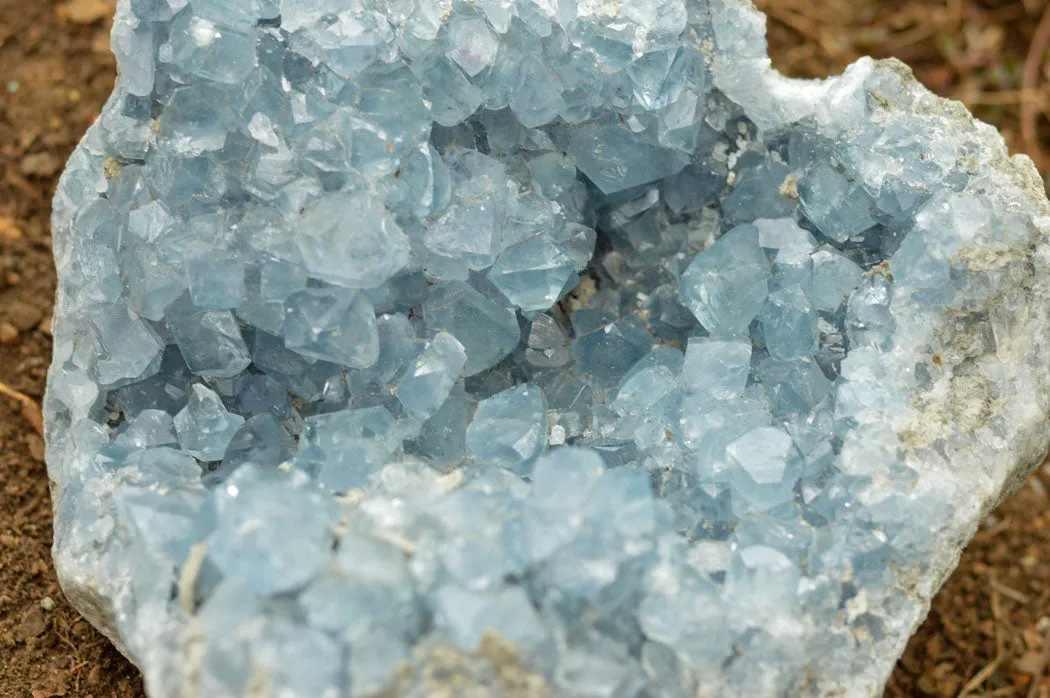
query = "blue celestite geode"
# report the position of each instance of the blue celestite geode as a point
(512, 348)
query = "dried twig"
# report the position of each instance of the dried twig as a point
(979, 678)
(997, 615)
(1044, 660)
(1010, 592)
(30, 407)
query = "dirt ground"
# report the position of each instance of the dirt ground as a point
(989, 631)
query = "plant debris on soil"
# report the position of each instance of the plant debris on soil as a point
(988, 633)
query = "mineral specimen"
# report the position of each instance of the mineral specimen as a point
(512, 348)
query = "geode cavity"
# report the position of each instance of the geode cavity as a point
(521, 348)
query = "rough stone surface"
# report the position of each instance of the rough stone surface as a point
(514, 349)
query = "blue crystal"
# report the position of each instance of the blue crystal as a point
(332, 325)
(717, 367)
(347, 446)
(204, 426)
(472, 45)
(834, 279)
(211, 344)
(272, 537)
(430, 378)
(148, 429)
(607, 354)
(487, 331)
(351, 241)
(764, 465)
(727, 285)
(532, 274)
(509, 429)
(836, 204)
(216, 281)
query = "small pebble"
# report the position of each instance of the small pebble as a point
(36, 447)
(24, 316)
(9, 230)
(8, 333)
(47, 603)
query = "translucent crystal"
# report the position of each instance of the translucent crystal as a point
(347, 446)
(272, 537)
(533, 273)
(333, 325)
(509, 429)
(211, 344)
(727, 285)
(487, 331)
(351, 241)
(430, 378)
(204, 426)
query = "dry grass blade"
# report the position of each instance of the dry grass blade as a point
(30, 408)
(979, 678)
(1037, 678)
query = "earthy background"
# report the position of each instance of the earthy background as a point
(988, 632)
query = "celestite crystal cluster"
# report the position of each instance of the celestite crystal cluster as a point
(528, 348)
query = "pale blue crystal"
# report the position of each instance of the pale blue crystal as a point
(204, 426)
(756, 194)
(149, 428)
(430, 378)
(332, 324)
(471, 44)
(260, 394)
(868, 318)
(509, 429)
(838, 205)
(643, 392)
(351, 241)
(397, 344)
(615, 159)
(215, 281)
(536, 96)
(443, 437)
(834, 279)
(348, 446)
(114, 346)
(764, 465)
(789, 324)
(727, 285)
(532, 274)
(487, 331)
(215, 50)
(452, 95)
(607, 354)
(272, 537)
(261, 440)
(717, 366)
(211, 344)
(152, 285)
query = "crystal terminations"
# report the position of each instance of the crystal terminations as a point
(515, 348)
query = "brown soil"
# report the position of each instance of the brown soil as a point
(987, 634)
